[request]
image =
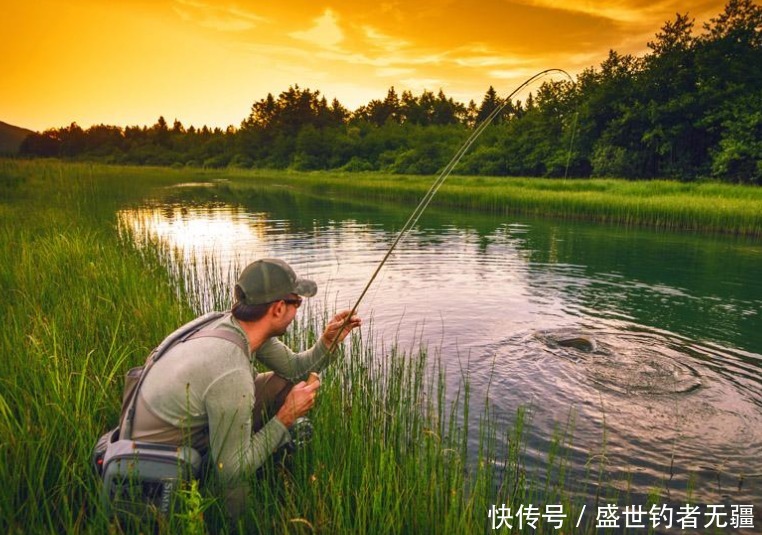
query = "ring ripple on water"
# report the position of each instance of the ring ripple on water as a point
(656, 405)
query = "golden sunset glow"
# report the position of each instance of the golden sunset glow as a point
(203, 62)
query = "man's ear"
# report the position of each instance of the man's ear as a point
(277, 309)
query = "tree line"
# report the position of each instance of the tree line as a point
(691, 107)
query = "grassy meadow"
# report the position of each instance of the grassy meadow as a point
(660, 204)
(79, 309)
(83, 305)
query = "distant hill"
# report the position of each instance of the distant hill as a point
(11, 138)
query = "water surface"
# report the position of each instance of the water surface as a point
(670, 395)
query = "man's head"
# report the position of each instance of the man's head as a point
(266, 282)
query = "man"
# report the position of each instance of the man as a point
(206, 391)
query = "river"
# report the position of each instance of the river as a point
(668, 395)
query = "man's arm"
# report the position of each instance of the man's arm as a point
(295, 366)
(229, 403)
(290, 365)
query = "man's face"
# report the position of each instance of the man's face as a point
(290, 305)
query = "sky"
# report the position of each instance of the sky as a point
(204, 62)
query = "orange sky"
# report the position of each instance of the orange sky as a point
(126, 62)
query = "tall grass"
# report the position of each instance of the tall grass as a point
(391, 450)
(387, 457)
(79, 308)
(84, 305)
(661, 204)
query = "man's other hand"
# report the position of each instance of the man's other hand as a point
(298, 402)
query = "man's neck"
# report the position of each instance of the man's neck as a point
(256, 332)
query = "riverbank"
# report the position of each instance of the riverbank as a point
(389, 454)
(712, 207)
(85, 305)
(80, 308)
(659, 204)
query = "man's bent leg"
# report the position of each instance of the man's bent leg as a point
(270, 391)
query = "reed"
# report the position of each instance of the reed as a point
(86, 305)
(660, 204)
(392, 451)
(80, 308)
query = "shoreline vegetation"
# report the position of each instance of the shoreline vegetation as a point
(659, 204)
(83, 305)
(703, 206)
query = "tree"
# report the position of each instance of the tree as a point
(676, 144)
(378, 112)
(160, 132)
(738, 156)
(729, 71)
(46, 144)
(410, 109)
(490, 102)
(392, 106)
(690, 107)
(741, 21)
(72, 140)
(447, 111)
(104, 141)
(339, 114)
(472, 113)
(262, 114)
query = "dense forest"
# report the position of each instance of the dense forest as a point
(691, 107)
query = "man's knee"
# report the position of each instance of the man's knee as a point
(270, 391)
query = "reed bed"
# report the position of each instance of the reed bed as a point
(79, 309)
(660, 204)
(84, 305)
(391, 453)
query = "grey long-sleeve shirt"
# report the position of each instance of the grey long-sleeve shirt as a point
(203, 389)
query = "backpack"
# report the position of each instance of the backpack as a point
(141, 477)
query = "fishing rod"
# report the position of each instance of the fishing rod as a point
(424, 203)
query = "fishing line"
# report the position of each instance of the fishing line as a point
(424, 203)
(571, 144)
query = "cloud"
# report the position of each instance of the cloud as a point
(383, 41)
(480, 61)
(481, 56)
(220, 18)
(325, 31)
(394, 71)
(620, 11)
(512, 74)
(227, 24)
(627, 12)
(420, 84)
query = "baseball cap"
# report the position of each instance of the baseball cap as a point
(270, 279)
